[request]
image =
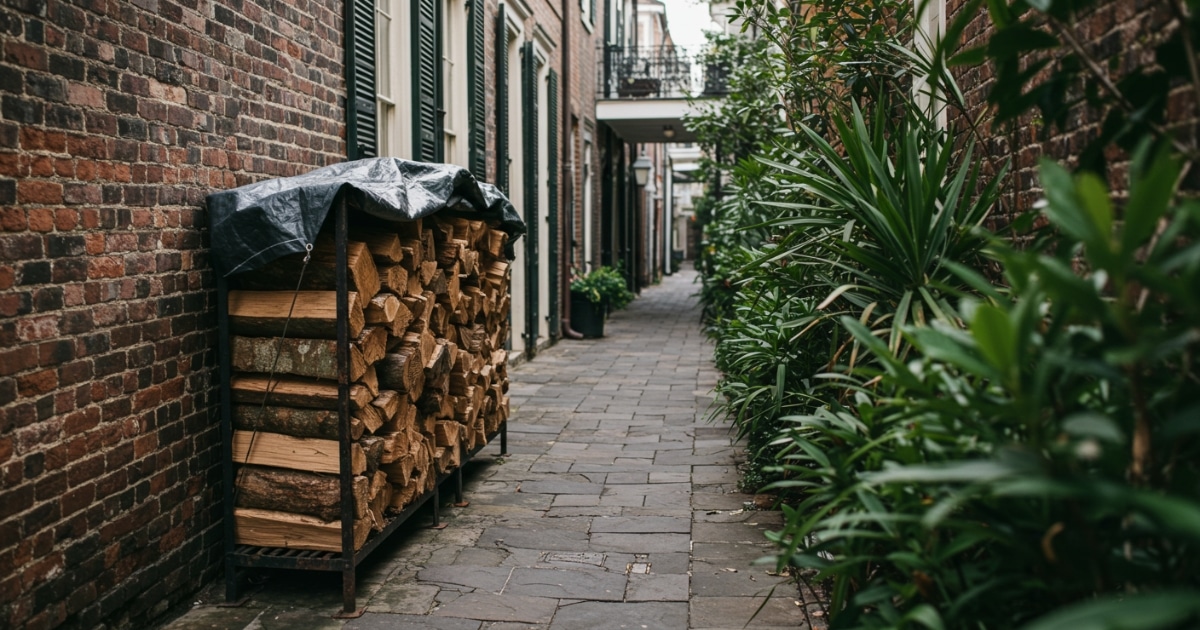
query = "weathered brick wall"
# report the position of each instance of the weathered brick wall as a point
(1122, 33)
(586, 41)
(117, 119)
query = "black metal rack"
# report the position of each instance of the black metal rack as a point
(347, 560)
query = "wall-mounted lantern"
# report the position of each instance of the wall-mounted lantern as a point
(641, 169)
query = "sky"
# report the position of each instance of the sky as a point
(688, 19)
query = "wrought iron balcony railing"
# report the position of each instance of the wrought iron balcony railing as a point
(646, 72)
(657, 72)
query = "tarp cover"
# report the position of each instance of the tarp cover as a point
(255, 224)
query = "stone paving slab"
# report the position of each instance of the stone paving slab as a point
(568, 583)
(642, 525)
(380, 621)
(657, 588)
(738, 532)
(641, 543)
(723, 613)
(714, 581)
(611, 616)
(615, 507)
(483, 578)
(492, 607)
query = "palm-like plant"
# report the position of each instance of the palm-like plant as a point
(891, 205)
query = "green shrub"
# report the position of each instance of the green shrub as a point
(604, 285)
(952, 452)
(1038, 463)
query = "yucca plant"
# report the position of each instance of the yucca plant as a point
(893, 204)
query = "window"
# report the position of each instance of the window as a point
(383, 82)
(392, 82)
(587, 13)
(455, 123)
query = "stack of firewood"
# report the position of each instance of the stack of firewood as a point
(428, 317)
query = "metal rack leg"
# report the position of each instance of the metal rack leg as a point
(350, 609)
(504, 438)
(231, 587)
(230, 582)
(459, 501)
(437, 508)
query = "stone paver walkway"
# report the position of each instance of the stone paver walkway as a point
(616, 507)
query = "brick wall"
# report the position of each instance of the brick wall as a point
(116, 119)
(585, 44)
(1121, 32)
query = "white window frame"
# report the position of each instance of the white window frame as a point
(455, 124)
(393, 59)
(585, 15)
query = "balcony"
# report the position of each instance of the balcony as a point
(645, 92)
(646, 72)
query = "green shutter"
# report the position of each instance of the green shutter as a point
(502, 102)
(476, 89)
(361, 108)
(426, 138)
(552, 202)
(529, 116)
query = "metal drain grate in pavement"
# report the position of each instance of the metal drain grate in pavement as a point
(582, 557)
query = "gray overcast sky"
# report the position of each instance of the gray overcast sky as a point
(688, 19)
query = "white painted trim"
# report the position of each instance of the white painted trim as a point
(519, 8)
(543, 39)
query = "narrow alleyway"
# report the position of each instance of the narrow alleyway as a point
(616, 507)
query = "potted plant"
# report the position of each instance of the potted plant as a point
(610, 284)
(592, 295)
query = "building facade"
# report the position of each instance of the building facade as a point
(116, 120)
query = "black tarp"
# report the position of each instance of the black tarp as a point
(255, 224)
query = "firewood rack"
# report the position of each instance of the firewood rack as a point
(249, 556)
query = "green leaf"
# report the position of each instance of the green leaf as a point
(1179, 516)
(973, 471)
(927, 616)
(1019, 38)
(994, 334)
(1131, 612)
(1093, 425)
(1151, 189)
(942, 347)
(1002, 16)
(1093, 194)
(969, 57)
(1062, 205)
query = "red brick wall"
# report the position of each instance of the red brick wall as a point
(1123, 31)
(116, 119)
(581, 94)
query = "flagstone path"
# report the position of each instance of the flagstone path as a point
(616, 507)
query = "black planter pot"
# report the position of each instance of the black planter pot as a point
(587, 317)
